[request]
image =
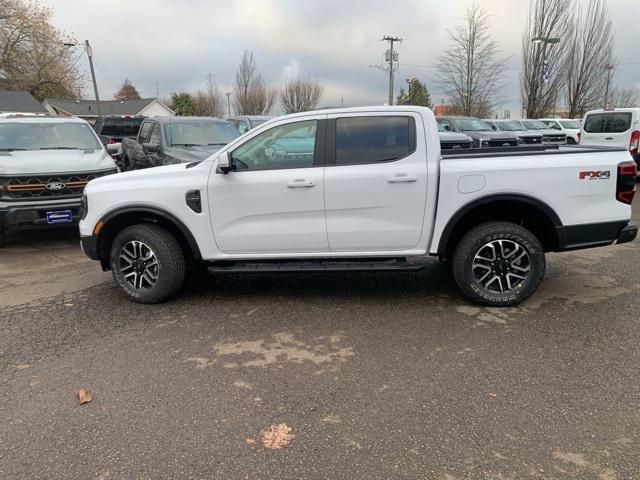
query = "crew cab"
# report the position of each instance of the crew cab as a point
(372, 192)
(482, 134)
(170, 140)
(45, 163)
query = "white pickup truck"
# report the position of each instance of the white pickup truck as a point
(359, 189)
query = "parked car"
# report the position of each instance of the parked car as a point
(549, 136)
(524, 137)
(244, 123)
(482, 134)
(45, 163)
(373, 192)
(619, 127)
(167, 140)
(453, 140)
(567, 126)
(113, 128)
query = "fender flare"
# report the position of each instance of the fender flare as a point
(519, 197)
(165, 215)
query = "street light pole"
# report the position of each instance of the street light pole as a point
(609, 69)
(229, 103)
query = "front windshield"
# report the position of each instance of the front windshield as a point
(511, 126)
(471, 125)
(571, 124)
(191, 134)
(47, 136)
(534, 125)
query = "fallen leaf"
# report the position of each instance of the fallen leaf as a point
(84, 396)
(249, 441)
(277, 437)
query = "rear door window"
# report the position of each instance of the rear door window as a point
(374, 139)
(609, 122)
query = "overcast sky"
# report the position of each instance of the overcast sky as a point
(171, 45)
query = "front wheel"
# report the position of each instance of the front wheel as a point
(147, 263)
(498, 264)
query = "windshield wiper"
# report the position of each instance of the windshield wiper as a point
(59, 148)
(10, 149)
(216, 143)
(186, 145)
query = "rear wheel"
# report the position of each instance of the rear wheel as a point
(147, 262)
(498, 264)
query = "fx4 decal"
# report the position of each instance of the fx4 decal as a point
(596, 175)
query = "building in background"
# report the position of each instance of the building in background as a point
(86, 109)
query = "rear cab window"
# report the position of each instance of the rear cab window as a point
(608, 122)
(120, 127)
(362, 140)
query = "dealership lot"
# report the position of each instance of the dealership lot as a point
(378, 375)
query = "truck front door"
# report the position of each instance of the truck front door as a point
(375, 182)
(273, 199)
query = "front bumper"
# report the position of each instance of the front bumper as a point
(89, 246)
(35, 215)
(576, 237)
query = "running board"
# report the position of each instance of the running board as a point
(328, 265)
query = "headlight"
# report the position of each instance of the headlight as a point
(84, 206)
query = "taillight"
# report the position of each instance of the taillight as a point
(635, 142)
(626, 186)
(111, 141)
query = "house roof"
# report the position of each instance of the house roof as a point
(109, 107)
(19, 101)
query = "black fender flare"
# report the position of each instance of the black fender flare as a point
(156, 211)
(519, 197)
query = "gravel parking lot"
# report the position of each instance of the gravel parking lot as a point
(378, 375)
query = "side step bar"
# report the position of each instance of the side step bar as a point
(320, 265)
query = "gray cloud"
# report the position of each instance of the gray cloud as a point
(172, 45)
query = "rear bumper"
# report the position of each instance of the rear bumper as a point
(576, 237)
(29, 216)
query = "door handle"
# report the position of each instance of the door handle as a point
(402, 178)
(609, 138)
(300, 183)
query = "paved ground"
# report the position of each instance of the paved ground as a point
(378, 376)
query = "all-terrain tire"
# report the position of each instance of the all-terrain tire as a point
(170, 269)
(484, 239)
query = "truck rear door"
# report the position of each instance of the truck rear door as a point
(375, 181)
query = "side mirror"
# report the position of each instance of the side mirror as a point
(113, 149)
(224, 163)
(150, 148)
(447, 128)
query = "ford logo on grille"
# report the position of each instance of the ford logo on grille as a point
(55, 186)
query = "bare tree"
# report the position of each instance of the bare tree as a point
(209, 101)
(470, 71)
(540, 85)
(589, 51)
(300, 95)
(33, 56)
(250, 92)
(621, 97)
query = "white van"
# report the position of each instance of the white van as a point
(618, 127)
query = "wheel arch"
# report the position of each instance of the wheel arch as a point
(120, 218)
(525, 210)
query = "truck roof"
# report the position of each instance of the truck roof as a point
(40, 119)
(169, 120)
(380, 108)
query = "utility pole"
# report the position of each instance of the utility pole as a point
(229, 103)
(93, 76)
(391, 59)
(157, 90)
(609, 69)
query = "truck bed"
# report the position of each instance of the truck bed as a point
(529, 151)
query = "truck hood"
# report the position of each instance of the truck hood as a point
(192, 154)
(30, 162)
(453, 137)
(146, 174)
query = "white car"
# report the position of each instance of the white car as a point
(362, 189)
(567, 126)
(45, 163)
(516, 128)
(549, 136)
(613, 128)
